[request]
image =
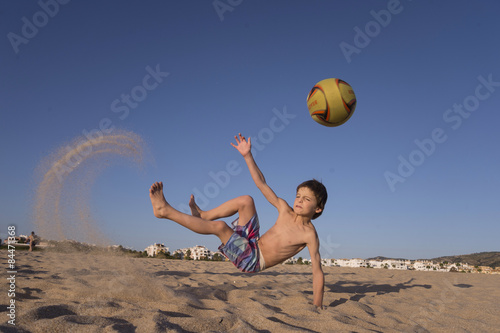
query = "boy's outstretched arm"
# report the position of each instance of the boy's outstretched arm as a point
(317, 272)
(245, 147)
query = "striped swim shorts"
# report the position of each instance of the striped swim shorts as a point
(242, 248)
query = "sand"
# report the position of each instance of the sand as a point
(64, 178)
(77, 292)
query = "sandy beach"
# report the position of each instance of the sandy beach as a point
(78, 292)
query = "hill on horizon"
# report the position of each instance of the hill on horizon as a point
(491, 259)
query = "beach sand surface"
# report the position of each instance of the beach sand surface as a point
(80, 292)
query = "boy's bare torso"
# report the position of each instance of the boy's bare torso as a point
(286, 238)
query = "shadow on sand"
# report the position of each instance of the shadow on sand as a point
(361, 289)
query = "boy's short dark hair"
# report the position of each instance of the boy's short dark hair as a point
(319, 191)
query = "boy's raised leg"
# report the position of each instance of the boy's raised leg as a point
(195, 210)
(243, 205)
(162, 209)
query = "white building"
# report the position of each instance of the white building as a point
(198, 252)
(376, 263)
(291, 260)
(343, 262)
(153, 250)
(179, 252)
(327, 262)
(356, 262)
(396, 264)
(402, 264)
(424, 265)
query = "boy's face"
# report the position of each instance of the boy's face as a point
(305, 202)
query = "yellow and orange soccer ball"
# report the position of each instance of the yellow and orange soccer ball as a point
(331, 102)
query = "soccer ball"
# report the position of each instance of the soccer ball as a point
(331, 102)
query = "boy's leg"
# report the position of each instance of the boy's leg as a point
(162, 209)
(243, 205)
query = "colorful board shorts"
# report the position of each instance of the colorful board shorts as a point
(242, 248)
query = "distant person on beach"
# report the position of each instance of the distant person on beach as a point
(32, 240)
(242, 245)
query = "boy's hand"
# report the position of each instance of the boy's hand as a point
(242, 145)
(316, 307)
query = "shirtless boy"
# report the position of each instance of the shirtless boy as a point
(288, 236)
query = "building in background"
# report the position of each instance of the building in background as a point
(153, 250)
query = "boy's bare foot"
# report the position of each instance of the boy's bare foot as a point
(195, 210)
(160, 205)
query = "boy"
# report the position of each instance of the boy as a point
(32, 241)
(250, 253)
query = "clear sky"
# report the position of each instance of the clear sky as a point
(414, 173)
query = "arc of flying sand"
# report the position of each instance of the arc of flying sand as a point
(94, 142)
(48, 194)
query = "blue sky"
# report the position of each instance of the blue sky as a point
(413, 173)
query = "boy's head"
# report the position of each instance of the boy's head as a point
(320, 194)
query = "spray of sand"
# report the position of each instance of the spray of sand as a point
(61, 205)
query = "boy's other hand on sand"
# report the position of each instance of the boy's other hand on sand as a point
(317, 308)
